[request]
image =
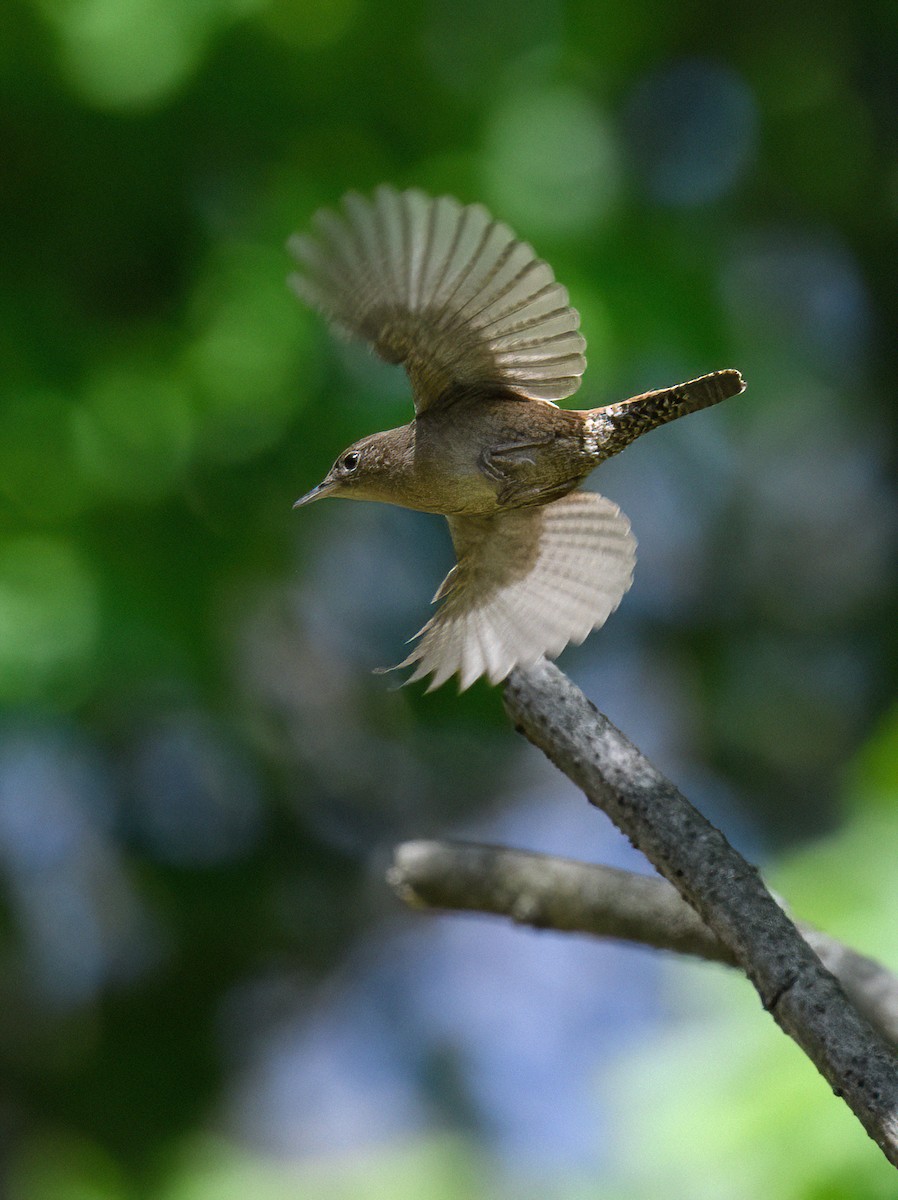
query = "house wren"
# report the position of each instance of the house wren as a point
(490, 342)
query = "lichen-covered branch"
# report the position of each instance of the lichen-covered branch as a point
(726, 892)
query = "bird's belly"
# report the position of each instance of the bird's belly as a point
(505, 475)
(488, 458)
(465, 490)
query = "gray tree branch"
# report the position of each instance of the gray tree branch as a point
(574, 897)
(803, 997)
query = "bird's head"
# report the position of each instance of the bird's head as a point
(367, 470)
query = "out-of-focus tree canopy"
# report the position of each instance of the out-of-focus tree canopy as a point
(200, 777)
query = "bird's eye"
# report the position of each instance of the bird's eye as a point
(350, 461)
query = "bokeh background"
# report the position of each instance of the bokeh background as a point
(206, 989)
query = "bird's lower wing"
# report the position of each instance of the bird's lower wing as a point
(528, 582)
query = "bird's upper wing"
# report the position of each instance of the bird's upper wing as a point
(444, 289)
(528, 582)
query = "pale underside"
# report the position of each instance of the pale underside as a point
(456, 298)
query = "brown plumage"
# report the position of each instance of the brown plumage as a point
(489, 341)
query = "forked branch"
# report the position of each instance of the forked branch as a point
(738, 920)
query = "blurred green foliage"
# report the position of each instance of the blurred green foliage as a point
(198, 774)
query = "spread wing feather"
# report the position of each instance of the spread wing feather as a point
(528, 582)
(444, 289)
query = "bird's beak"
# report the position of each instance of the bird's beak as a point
(323, 489)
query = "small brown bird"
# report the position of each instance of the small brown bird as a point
(489, 341)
